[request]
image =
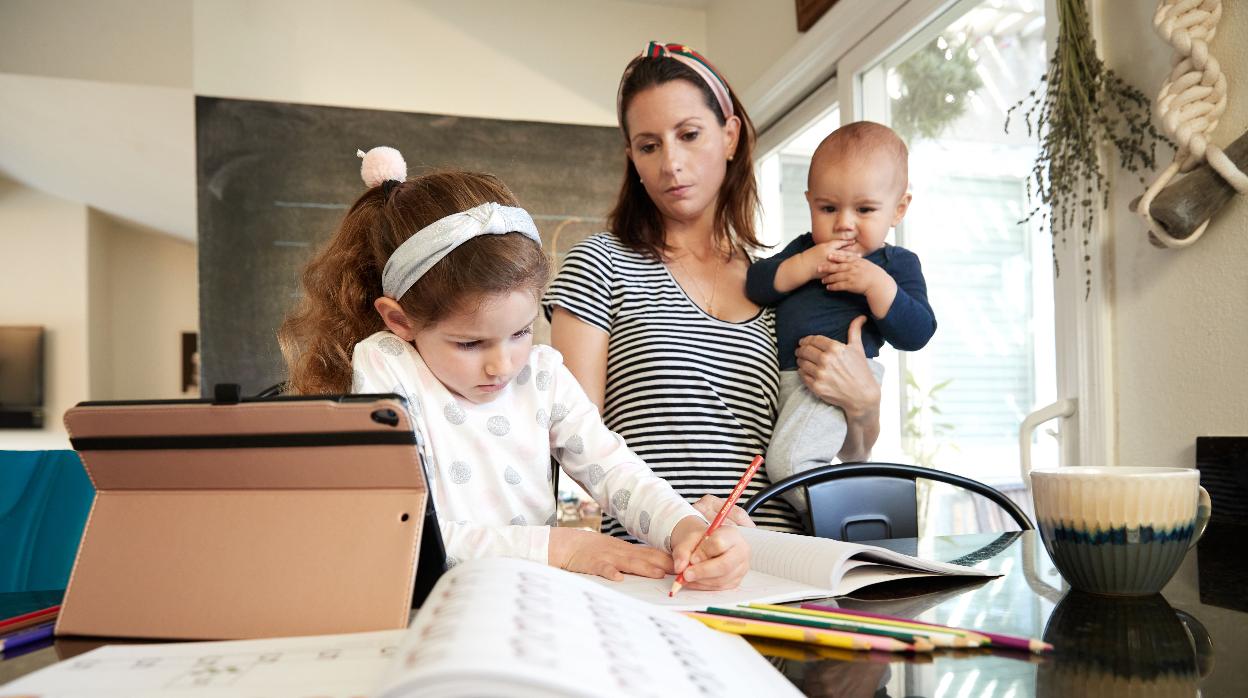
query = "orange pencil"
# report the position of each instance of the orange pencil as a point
(719, 518)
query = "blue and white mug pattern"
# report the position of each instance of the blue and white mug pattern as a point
(1119, 531)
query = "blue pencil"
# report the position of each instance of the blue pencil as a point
(26, 637)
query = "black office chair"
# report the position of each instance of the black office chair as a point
(872, 501)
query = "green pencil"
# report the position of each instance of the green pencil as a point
(941, 637)
(921, 644)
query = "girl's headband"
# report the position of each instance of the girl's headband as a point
(420, 252)
(417, 255)
(696, 61)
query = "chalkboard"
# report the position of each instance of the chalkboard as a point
(275, 179)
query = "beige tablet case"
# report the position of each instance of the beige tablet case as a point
(247, 520)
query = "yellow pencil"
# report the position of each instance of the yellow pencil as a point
(778, 631)
(940, 636)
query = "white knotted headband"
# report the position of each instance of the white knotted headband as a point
(419, 253)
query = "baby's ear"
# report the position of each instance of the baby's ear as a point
(396, 320)
(902, 207)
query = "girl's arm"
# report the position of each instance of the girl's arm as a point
(627, 489)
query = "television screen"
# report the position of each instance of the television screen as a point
(21, 377)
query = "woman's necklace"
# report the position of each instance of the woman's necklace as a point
(708, 298)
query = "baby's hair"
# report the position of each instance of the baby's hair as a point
(343, 279)
(862, 139)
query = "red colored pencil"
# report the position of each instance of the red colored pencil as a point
(719, 518)
(28, 619)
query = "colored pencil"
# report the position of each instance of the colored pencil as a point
(973, 638)
(26, 637)
(1026, 644)
(780, 631)
(920, 644)
(29, 619)
(939, 636)
(719, 518)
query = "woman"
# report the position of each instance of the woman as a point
(652, 317)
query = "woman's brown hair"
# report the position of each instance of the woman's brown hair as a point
(635, 219)
(343, 279)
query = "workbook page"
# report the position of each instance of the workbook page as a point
(756, 587)
(806, 559)
(327, 666)
(511, 627)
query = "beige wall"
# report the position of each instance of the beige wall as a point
(145, 294)
(114, 298)
(539, 60)
(745, 37)
(43, 281)
(128, 41)
(1180, 316)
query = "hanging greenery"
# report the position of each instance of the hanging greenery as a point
(1080, 106)
(935, 84)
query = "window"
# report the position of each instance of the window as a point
(947, 91)
(945, 81)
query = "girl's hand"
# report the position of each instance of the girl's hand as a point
(719, 563)
(576, 550)
(710, 505)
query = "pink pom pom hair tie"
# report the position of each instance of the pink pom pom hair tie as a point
(382, 164)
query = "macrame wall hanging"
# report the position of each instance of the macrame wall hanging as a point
(1191, 102)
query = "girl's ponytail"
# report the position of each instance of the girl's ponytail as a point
(336, 310)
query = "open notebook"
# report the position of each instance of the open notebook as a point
(787, 567)
(489, 627)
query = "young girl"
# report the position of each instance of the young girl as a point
(429, 289)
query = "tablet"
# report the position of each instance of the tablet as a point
(246, 518)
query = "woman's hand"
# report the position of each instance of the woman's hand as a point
(710, 505)
(577, 550)
(839, 375)
(719, 563)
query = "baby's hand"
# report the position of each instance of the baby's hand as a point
(819, 255)
(719, 563)
(846, 271)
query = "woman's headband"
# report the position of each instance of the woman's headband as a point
(696, 62)
(417, 255)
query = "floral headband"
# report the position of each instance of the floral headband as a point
(696, 62)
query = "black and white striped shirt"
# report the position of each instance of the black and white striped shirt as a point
(694, 396)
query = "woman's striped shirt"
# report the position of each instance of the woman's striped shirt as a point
(694, 396)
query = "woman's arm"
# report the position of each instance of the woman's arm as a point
(584, 349)
(839, 375)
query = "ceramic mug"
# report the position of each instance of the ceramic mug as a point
(1119, 531)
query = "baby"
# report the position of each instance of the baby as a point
(822, 281)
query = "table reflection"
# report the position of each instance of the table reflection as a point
(1172, 644)
(1121, 647)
